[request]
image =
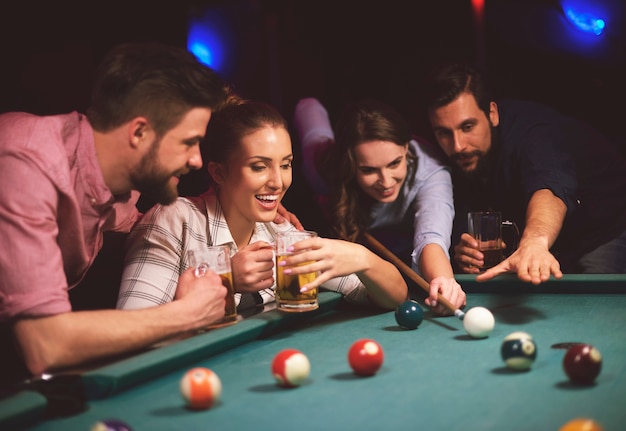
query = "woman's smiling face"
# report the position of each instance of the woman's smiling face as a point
(257, 176)
(381, 169)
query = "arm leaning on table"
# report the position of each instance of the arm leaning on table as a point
(532, 261)
(77, 340)
(35, 304)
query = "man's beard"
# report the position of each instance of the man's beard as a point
(483, 160)
(480, 168)
(152, 181)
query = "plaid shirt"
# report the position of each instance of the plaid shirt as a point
(157, 251)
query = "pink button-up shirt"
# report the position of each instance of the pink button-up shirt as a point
(54, 207)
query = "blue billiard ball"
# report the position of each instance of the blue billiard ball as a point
(518, 351)
(111, 425)
(409, 314)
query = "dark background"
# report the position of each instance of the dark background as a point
(281, 50)
(337, 51)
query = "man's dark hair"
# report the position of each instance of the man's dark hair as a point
(449, 81)
(160, 82)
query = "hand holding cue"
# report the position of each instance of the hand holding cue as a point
(410, 273)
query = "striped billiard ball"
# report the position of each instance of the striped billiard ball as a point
(518, 351)
(200, 387)
(290, 368)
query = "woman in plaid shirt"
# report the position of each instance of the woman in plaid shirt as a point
(250, 164)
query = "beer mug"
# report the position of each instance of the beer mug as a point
(217, 259)
(486, 228)
(288, 295)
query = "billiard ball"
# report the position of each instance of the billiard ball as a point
(111, 425)
(365, 357)
(581, 424)
(200, 387)
(518, 351)
(290, 368)
(582, 363)
(409, 314)
(478, 322)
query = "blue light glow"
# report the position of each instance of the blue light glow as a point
(586, 22)
(209, 39)
(205, 44)
(202, 52)
(585, 16)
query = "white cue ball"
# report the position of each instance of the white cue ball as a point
(478, 322)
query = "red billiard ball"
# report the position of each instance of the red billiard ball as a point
(365, 357)
(290, 368)
(200, 387)
(582, 363)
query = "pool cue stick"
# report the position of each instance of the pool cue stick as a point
(403, 267)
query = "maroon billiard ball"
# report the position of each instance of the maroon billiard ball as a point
(582, 363)
(365, 357)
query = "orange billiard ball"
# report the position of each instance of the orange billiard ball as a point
(200, 387)
(581, 424)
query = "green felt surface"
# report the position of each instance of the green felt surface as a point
(433, 378)
(23, 407)
(109, 380)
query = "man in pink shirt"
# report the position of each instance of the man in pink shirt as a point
(66, 179)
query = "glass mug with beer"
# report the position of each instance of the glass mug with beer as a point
(486, 228)
(217, 259)
(288, 295)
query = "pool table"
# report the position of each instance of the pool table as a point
(435, 377)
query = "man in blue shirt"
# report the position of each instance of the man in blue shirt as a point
(561, 181)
